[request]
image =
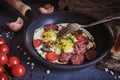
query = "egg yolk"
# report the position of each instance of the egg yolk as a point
(49, 35)
(65, 44)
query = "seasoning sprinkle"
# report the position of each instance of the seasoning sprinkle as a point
(28, 63)
(106, 69)
(18, 46)
(32, 64)
(10, 37)
(48, 71)
(7, 36)
(24, 53)
(8, 32)
(111, 72)
(0, 35)
(32, 67)
(28, 58)
(118, 77)
(115, 77)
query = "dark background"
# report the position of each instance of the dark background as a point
(15, 42)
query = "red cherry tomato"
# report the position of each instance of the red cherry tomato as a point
(3, 58)
(51, 56)
(12, 61)
(80, 38)
(2, 40)
(37, 42)
(3, 76)
(4, 48)
(18, 70)
(1, 69)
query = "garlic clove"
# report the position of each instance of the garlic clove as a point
(47, 9)
(17, 25)
(50, 10)
(19, 21)
(43, 10)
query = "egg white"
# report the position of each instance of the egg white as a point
(38, 33)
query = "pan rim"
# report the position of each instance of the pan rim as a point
(64, 67)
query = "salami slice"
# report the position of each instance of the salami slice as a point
(50, 27)
(65, 57)
(80, 47)
(77, 59)
(90, 54)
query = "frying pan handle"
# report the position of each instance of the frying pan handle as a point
(24, 9)
(19, 6)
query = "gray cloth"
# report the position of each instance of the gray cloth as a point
(95, 8)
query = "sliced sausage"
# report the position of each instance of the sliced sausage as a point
(50, 27)
(90, 54)
(65, 57)
(45, 50)
(77, 59)
(80, 47)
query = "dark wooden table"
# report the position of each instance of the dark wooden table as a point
(35, 70)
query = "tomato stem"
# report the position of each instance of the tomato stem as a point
(8, 73)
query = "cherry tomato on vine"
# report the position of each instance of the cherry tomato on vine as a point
(3, 58)
(2, 41)
(18, 70)
(4, 48)
(12, 61)
(3, 76)
(1, 69)
(37, 42)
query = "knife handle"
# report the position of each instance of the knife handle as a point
(19, 6)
